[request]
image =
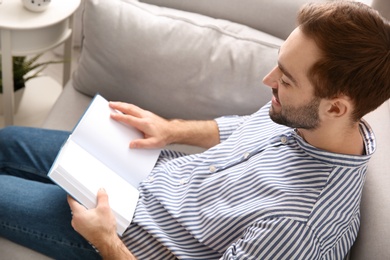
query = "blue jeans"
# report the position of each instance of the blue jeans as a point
(33, 211)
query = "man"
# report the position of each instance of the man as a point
(283, 183)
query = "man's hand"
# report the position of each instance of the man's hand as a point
(159, 132)
(98, 226)
(155, 129)
(94, 224)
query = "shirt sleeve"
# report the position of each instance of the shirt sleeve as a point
(278, 238)
(228, 124)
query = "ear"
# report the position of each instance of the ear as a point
(339, 107)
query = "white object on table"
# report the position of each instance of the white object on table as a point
(36, 5)
(23, 32)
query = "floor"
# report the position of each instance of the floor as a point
(41, 93)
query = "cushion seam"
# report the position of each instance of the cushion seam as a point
(209, 26)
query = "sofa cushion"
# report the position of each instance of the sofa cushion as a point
(374, 234)
(276, 17)
(168, 59)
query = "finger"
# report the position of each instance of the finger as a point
(74, 205)
(126, 108)
(134, 122)
(138, 124)
(127, 119)
(102, 198)
(145, 144)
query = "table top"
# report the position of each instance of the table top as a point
(13, 15)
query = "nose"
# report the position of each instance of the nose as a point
(271, 79)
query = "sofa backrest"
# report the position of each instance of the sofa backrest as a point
(174, 63)
(276, 17)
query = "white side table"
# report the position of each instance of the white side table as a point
(23, 32)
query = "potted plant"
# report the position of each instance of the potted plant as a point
(24, 69)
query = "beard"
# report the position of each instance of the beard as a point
(304, 117)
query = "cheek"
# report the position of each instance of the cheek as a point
(290, 97)
(285, 96)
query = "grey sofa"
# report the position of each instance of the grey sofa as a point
(200, 59)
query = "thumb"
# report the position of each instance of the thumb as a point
(139, 144)
(148, 143)
(102, 197)
(74, 205)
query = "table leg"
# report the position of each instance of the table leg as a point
(7, 76)
(68, 54)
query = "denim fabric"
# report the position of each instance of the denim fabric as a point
(34, 211)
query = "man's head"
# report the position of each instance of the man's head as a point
(348, 45)
(294, 103)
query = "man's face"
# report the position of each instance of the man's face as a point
(293, 101)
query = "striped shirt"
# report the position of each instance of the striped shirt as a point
(262, 193)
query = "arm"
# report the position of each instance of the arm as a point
(159, 132)
(98, 226)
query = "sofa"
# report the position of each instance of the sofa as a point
(200, 60)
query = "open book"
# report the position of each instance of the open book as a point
(97, 155)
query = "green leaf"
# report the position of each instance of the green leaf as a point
(23, 65)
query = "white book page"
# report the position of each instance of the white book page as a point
(83, 175)
(109, 141)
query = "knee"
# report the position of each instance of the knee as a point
(8, 135)
(13, 138)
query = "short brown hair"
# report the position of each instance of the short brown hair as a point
(355, 44)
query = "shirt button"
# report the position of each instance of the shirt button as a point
(246, 155)
(284, 140)
(212, 169)
(151, 179)
(183, 181)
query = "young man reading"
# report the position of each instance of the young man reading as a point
(283, 183)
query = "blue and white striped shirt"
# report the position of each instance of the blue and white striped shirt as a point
(262, 193)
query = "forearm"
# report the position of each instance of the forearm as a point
(115, 250)
(198, 133)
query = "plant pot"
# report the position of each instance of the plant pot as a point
(18, 94)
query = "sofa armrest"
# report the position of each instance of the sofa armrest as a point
(374, 234)
(68, 109)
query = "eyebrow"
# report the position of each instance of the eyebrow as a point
(285, 72)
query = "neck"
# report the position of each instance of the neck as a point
(342, 140)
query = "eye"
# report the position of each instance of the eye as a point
(283, 83)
